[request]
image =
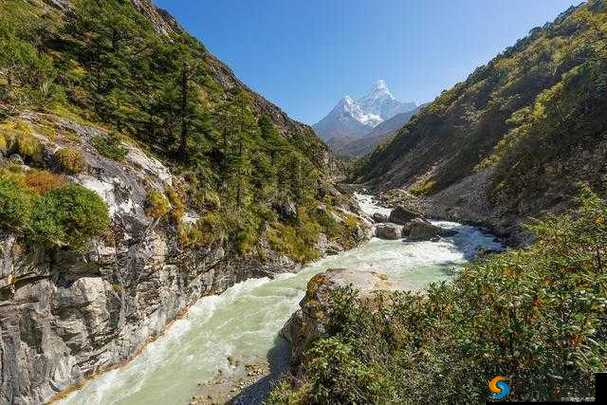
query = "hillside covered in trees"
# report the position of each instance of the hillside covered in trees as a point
(137, 175)
(520, 132)
(129, 68)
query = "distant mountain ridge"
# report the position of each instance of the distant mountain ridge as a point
(383, 133)
(354, 118)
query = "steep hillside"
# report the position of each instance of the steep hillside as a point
(129, 68)
(137, 174)
(521, 132)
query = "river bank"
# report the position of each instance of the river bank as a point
(243, 323)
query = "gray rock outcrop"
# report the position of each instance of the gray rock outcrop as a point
(379, 218)
(388, 231)
(421, 230)
(402, 215)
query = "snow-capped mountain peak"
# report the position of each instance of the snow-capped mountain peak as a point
(381, 84)
(355, 117)
(380, 89)
(350, 108)
(380, 101)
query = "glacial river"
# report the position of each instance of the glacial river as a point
(243, 323)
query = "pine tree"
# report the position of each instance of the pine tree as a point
(190, 111)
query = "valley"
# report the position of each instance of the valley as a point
(169, 235)
(243, 324)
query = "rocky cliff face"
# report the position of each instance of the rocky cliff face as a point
(65, 316)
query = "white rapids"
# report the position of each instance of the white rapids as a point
(244, 321)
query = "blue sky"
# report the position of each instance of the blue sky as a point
(304, 55)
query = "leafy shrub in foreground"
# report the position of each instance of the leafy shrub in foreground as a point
(15, 206)
(69, 216)
(535, 315)
(70, 160)
(42, 181)
(110, 147)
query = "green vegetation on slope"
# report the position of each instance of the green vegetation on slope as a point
(107, 64)
(69, 216)
(535, 315)
(536, 113)
(45, 209)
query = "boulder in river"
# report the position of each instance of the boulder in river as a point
(308, 323)
(402, 215)
(419, 229)
(388, 231)
(380, 218)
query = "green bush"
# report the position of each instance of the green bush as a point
(18, 136)
(536, 315)
(15, 206)
(70, 160)
(3, 144)
(28, 146)
(157, 205)
(13, 172)
(189, 235)
(250, 228)
(69, 216)
(110, 147)
(342, 377)
(209, 229)
(212, 227)
(297, 240)
(178, 203)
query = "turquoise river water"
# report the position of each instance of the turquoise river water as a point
(244, 321)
